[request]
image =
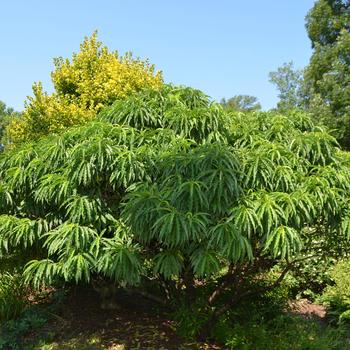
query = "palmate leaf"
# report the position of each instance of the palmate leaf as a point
(278, 154)
(294, 208)
(301, 121)
(54, 153)
(122, 135)
(41, 272)
(258, 170)
(90, 160)
(78, 266)
(200, 124)
(216, 137)
(280, 129)
(205, 262)
(20, 232)
(54, 188)
(127, 168)
(197, 224)
(97, 151)
(15, 179)
(223, 189)
(84, 209)
(325, 196)
(244, 129)
(82, 169)
(335, 175)
(174, 164)
(18, 158)
(230, 241)
(189, 195)
(270, 214)
(284, 179)
(191, 98)
(139, 211)
(137, 111)
(220, 171)
(5, 197)
(26, 232)
(169, 263)
(171, 227)
(175, 228)
(7, 222)
(34, 171)
(69, 237)
(165, 138)
(316, 146)
(187, 123)
(245, 218)
(283, 242)
(120, 260)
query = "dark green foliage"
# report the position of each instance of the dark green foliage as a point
(327, 75)
(170, 187)
(13, 333)
(262, 322)
(12, 295)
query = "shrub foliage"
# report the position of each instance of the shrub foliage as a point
(169, 186)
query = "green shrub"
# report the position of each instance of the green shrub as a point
(337, 296)
(286, 333)
(169, 187)
(12, 296)
(13, 333)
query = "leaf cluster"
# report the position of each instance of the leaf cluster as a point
(167, 182)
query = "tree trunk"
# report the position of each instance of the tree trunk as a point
(238, 296)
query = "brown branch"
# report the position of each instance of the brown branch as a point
(237, 297)
(226, 280)
(151, 297)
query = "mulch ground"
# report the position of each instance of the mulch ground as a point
(137, 324)
(308, 310)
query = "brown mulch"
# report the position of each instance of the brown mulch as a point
(308, 310)
(136, 324)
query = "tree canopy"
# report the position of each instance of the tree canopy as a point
(93, 78)
(328, 74)
(170, 186)
(289, 83)
(6, 114)
(241, 103)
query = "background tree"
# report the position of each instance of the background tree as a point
(241, 103)
(327, 77)
(93, 78)
(6, 113)
(289, 83)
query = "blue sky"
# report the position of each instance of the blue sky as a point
(222, 47)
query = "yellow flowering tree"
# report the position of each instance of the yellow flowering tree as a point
(92, 79)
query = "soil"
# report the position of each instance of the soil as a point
(308, 310)
(138, 323)
(134, 323)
